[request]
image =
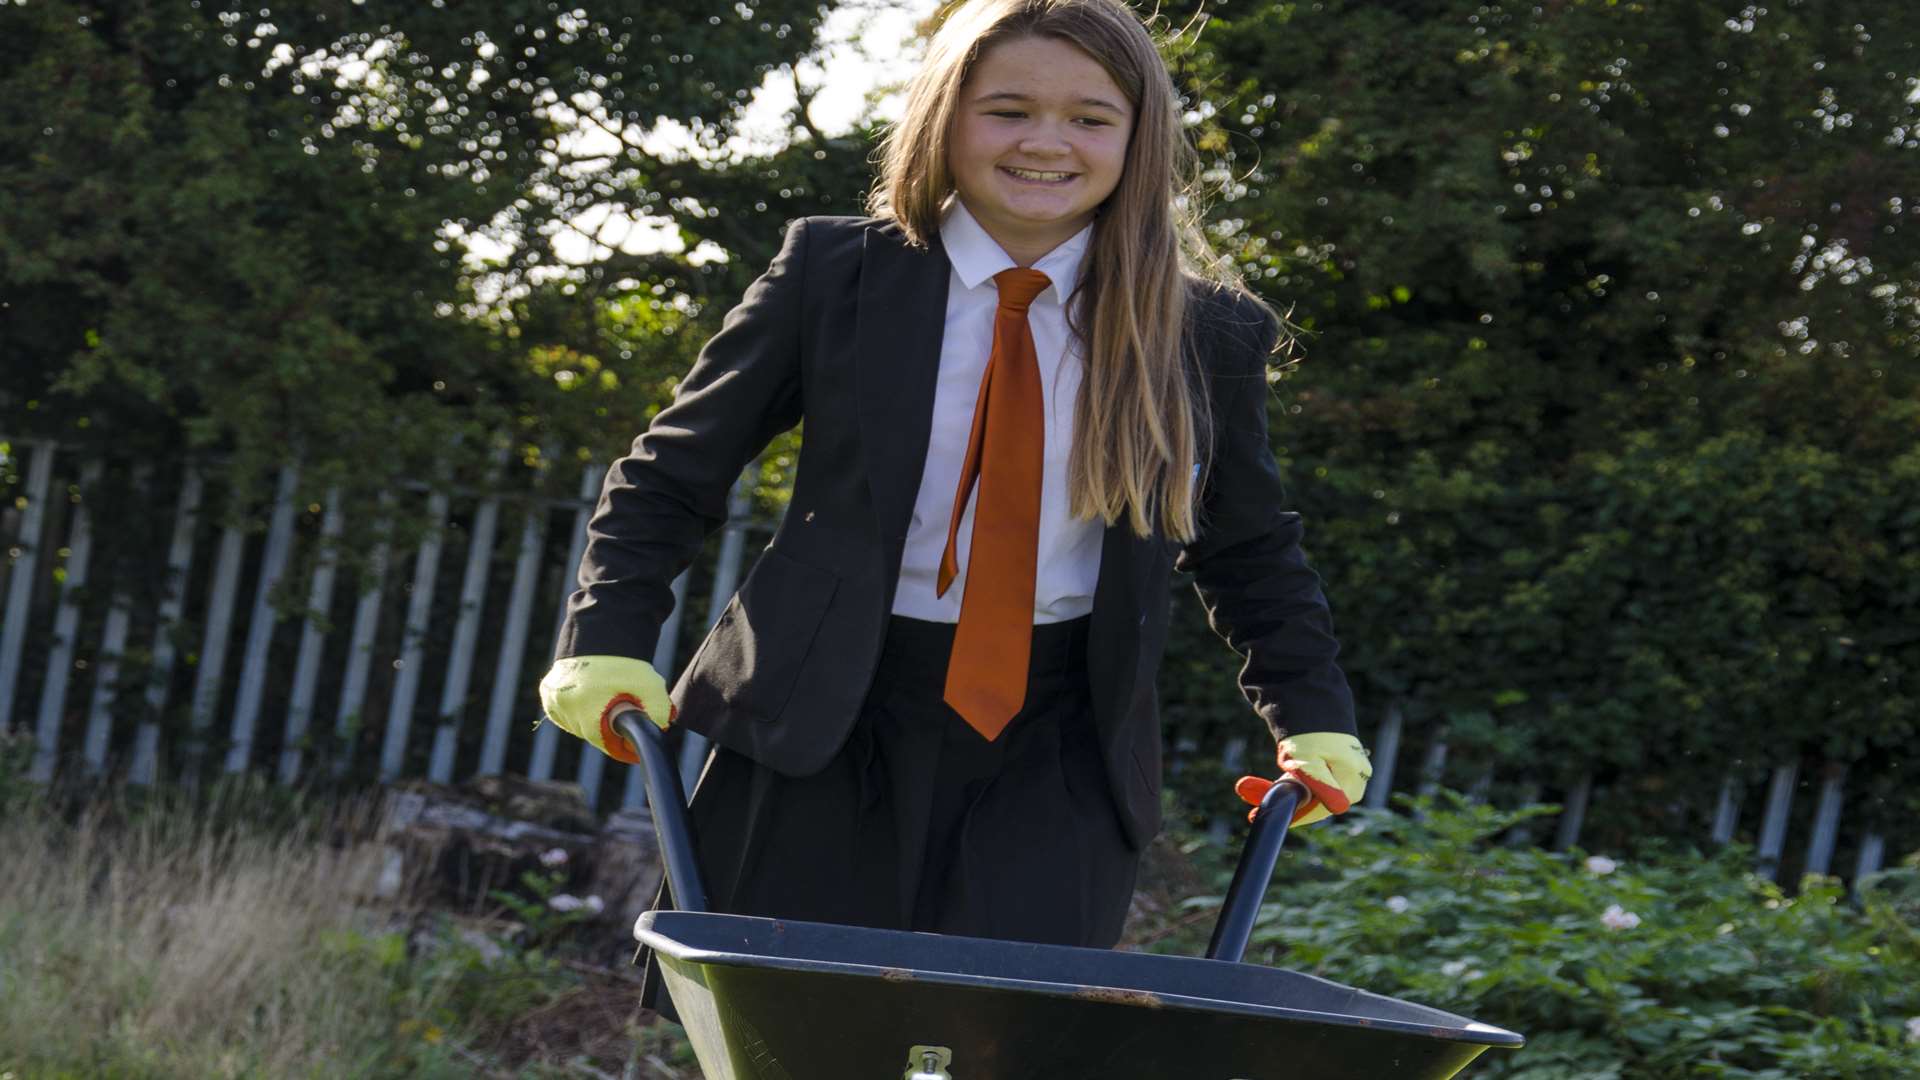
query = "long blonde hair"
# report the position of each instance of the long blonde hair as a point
(1142, 421)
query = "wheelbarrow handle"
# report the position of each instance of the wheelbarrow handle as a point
(668, 801)
(669, 805)
(1255, 870)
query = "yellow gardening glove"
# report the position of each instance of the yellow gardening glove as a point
(579, 694)
(1332, 764)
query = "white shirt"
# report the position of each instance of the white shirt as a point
(1069, 549)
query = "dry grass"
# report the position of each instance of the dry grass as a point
(241, 936)
(247, 935)
(173, 945)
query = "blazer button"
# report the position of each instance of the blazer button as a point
(809, 516)
(1143, 620)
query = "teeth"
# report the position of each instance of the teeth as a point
(1029, 174)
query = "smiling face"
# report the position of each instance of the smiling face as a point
(1038, 140)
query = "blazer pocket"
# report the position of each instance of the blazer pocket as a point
(763, 639)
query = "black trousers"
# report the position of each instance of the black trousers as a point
(920, 823)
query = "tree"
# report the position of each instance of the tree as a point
(1566, 270)
(242, 231)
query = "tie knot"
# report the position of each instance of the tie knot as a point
(1019, 285)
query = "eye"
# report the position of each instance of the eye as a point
(1094, 121)
(1008, 113)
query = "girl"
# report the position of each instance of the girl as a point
(1031, 392)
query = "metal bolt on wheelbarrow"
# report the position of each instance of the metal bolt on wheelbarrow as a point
(769, 999)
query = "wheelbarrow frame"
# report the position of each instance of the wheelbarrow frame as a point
(743, 985)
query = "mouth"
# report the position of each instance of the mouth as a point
(1042, 177)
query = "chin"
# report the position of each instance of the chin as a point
(1037, 215)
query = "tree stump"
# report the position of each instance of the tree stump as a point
(456, 846)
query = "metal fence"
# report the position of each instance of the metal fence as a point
(170, 657)
(1823, 830)
(173, 659)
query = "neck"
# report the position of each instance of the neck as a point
(1026, 247)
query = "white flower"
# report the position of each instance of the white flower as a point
(565, 902)
(1398, 904)
(489, 949)
(1618, 918)
(1913, 1029)
(555, 857)
(1600, 864)
(595, 905)
(1453, 968)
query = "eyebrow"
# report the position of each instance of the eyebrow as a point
(1089, 102)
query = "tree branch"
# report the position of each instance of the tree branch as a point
(803, 100)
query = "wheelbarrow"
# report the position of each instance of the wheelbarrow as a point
(771, 999)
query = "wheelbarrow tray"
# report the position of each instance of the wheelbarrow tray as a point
(765, 998)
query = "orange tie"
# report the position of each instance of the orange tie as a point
(987, 671)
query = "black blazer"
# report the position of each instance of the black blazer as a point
(844, 331)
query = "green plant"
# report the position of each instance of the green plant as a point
(1663, 963)
(544, 910)
(16, 755)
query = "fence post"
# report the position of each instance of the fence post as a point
(262, 622)
(366, 623)
(1873, 852)
(513, 642)
(186, 520)
(1726, 808)
(306, 667)
(466, 634)
(1522, 834)
(213, 647)
(1573, 813)
(66, 628)
(1435, 765)
(1233, 759)
(1183, 748)
(426, 566)
(1826, 818)
(13, 630)
(113, 645)
(1481, 787)
(1773, 826)
(1386, 750)
(544, 737)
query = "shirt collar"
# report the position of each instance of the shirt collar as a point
(977, 256)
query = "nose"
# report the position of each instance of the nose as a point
(1045, 145)
(1045, 140)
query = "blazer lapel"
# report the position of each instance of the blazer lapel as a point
(898, 329)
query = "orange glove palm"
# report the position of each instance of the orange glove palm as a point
(1333, 765)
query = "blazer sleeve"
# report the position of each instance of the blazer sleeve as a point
(1247, 565)
(662, 500)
